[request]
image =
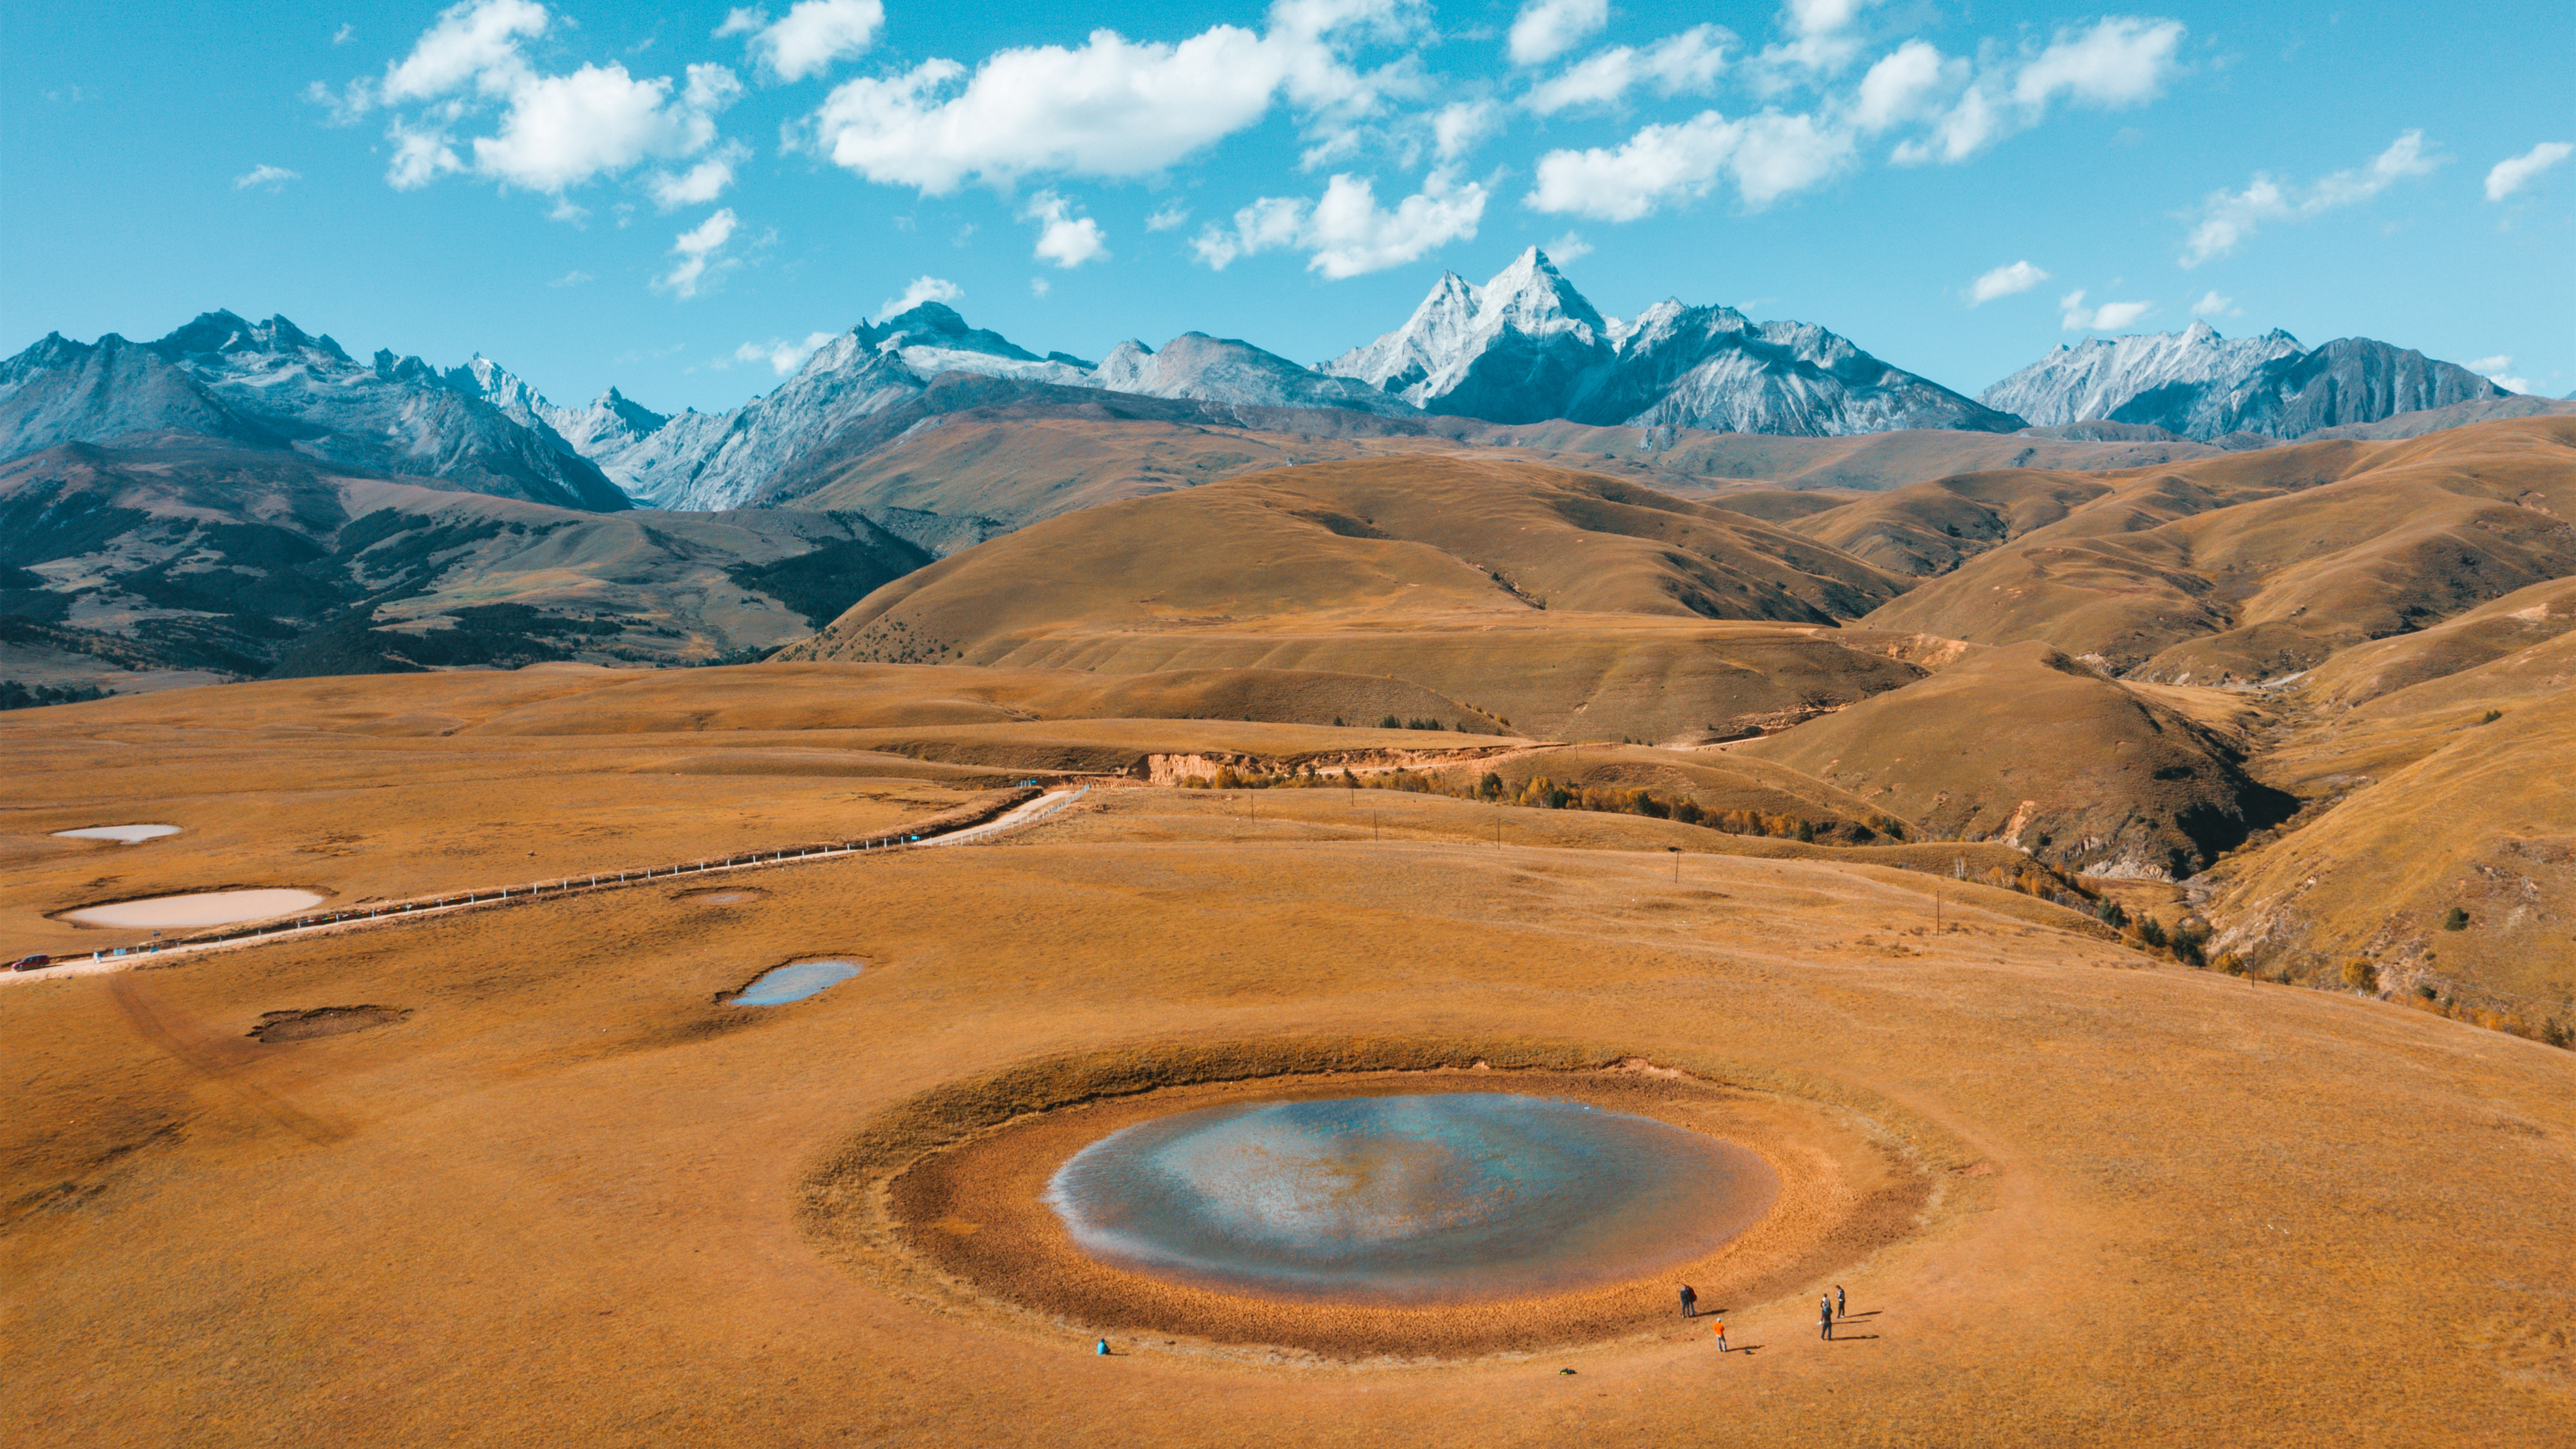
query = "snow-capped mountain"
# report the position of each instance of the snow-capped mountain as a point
(268, 384)
(2090, 380)
(1223, 370)
(2201, 385)
(1526, 347)
(1715, 368)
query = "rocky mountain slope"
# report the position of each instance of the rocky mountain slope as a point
(2200, 385)
(1527, 347)
(181, 559)
(270, 385)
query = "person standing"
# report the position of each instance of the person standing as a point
(1720, 1331)
(1839, 1310)
(1690, 1302)
(1825, 1322)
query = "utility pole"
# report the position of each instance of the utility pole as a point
(1677, 863)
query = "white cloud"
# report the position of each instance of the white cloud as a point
(1063, 238)
(2515, 172)
(813, 35)
(2119, 61)
(1689, 61)
(1170, 216)
(2109, 317)
(1822, 28)
(923, 289)
(1903, 85)
(782, 357)
(1111, 107)
(699, 184)
(272, 177)
(1040, 286)
(1347, 233)
(2227, 218)
(1769, 155)
(1568, 248)
(571, 279)
(1460, 125)
(341, 35)
(2211, 304)
(2004, 282)
(1546, 29)
(554, 132)
(2494, 370)
(700, 250)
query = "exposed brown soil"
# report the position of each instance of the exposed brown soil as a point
(285, 1026)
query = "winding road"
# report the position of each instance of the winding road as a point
(1018, 817)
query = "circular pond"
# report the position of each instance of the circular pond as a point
(206, 908)
(1442, 1197)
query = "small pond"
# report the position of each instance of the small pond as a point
(129, 834)
(795, 981)
(206, 908)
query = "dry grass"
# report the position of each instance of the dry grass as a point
(558, 1202)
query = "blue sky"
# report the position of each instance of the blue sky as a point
(675, 201)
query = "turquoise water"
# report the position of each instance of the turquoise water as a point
(1430, 1198)
(795, 981)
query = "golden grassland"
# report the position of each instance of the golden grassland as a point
(569, 1195)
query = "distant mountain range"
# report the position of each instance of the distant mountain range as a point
(1524, 348)
(269, 385)
(2200, 385)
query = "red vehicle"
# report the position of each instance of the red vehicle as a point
(30, 963)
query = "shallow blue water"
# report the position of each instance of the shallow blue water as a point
(1434, 1197)
(795, 981)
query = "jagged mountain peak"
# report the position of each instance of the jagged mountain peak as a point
(2204, 386)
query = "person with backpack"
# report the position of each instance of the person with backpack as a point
(1690, 1302)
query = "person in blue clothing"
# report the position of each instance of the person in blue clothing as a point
(1690, 1302)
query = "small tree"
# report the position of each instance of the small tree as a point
(2360, 975)
(1490, 787)
(1390, 723)
(2455, 919)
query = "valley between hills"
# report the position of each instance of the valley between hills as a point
(2120, 876)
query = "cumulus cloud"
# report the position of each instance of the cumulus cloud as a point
(1689, 61)
(1546, 29)
(1457, 127)
(701, 253)
(2227, 218)
(2109, 317)
(699, 184)
(554, 131)
(2515, 172)
(2116, 62)
(1170, 216)
(1904, 85)
(923, 289)
(1567, 248)
(272, 178)
(813, 35)
(2494, 370)
(1110, 107)
(1063, 238)
(2211, 304)
(2004, 282)
(571, 279)
(1347, 233)
(783, 357)
(1769, 155)
(1821, 35)
(1040, 286)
